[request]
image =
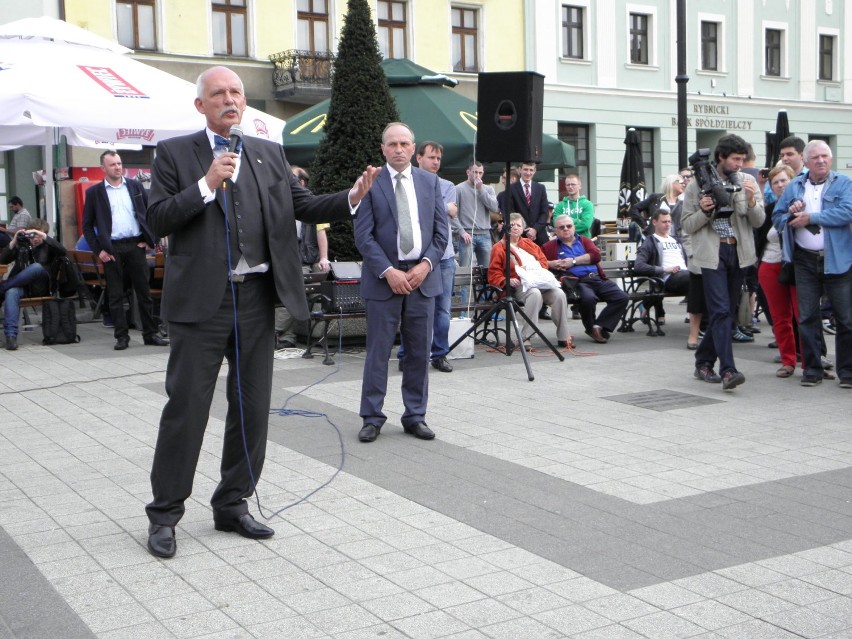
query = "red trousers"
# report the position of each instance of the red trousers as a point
(783, 307)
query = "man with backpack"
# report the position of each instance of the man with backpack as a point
(33, 251)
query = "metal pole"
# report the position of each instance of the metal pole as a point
(681, 80)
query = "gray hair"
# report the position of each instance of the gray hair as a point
(814, 144)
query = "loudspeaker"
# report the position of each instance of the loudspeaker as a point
(510, 111)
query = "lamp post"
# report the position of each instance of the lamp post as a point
(681, 80)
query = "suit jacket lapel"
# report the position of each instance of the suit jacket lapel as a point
(386, 187)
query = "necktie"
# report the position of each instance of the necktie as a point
(527, 193)
(406, 234)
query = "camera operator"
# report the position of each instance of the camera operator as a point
(723, 244)
(32, 251)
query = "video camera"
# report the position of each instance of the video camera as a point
(710, 183)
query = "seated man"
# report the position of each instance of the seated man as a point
(661, 255)
(577, 256)
(33, 251)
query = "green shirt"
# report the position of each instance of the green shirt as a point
(582, 211)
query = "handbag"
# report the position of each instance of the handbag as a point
(571, 287)
(787, 275)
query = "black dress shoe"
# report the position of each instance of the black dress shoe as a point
(11, 343)
(420, 430)
(441, 364)
(161, 541)
(156, 340)
(244, 525)
(122, 344)
(369, 433)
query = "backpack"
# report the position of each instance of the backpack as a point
(59, 322)
(64, 277)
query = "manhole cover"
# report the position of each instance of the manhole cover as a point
(663, 400)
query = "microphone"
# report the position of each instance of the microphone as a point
(236, 137)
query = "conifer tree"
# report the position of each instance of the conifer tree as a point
(361, 106)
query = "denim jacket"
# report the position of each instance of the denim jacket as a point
(835, 220)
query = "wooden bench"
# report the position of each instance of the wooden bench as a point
(91, 271)
(322, 315)
(642, 290)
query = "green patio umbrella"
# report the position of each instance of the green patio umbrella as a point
(433, 110)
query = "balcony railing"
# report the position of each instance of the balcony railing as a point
(302, 76)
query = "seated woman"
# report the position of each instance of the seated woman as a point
(527, 254)
(33, 251)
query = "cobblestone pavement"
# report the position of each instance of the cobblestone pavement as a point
(614, 497)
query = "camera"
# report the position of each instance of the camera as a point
(710, 183)
(764, 173)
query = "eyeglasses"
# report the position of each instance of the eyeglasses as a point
(565, 226)
(516, 225)
(682, 181)
(686, 176)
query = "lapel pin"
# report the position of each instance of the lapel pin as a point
(259, 161)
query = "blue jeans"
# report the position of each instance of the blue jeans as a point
(15, 291)
(722, 288)
(479, 242)
(441, 323)
(810, 283)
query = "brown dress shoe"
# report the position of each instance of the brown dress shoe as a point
(596, 333)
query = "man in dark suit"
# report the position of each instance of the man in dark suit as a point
(116, 228)
(401, 232)
(233, 253)
(530, 200)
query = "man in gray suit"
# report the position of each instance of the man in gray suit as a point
(233, 253)
(401, 232)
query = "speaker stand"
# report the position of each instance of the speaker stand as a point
(508, 304)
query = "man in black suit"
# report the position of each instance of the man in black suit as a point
(116, 228)
(530, 200)
(401, 232)
(233, 253)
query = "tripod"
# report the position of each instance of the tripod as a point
(508, 304)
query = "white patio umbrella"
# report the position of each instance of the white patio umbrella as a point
(62, 80)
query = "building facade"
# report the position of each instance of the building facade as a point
(608, 65)
(611, 64)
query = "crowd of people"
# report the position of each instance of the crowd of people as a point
(234, 258)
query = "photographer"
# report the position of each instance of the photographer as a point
(32, 251)
(720, 217)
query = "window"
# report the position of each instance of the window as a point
(646, 140)
(392, 28)
(773, 44)
(136, 26)
(577, 135)
(710, 46)
(826, 57)
(639, 32)
(229, 27)
(465, 40)
(572, 32)
(312, 29)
